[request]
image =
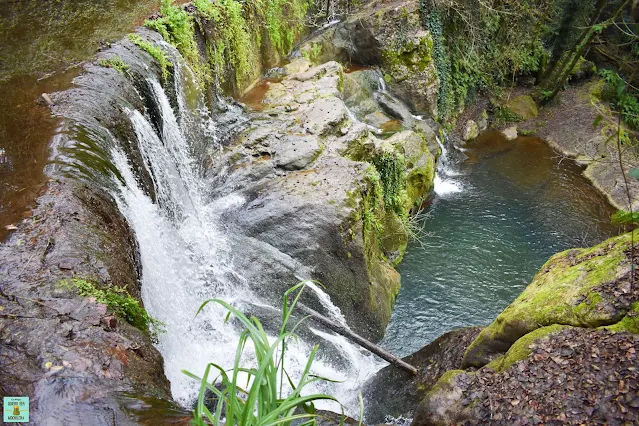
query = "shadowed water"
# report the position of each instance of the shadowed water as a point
(495, 219)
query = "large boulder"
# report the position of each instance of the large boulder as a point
(563, 352)
(312, 201)
(580, 287)
(523, 107)
(397, 392)
(391, 36)
(67, 352)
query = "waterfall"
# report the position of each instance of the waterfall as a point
(186, 253)
(444, 184)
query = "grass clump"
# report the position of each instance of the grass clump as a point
(262, 400)
(119, 302)
(504, 115)
(114, 62)
(156, 53)
(235, 43)
(232, 43)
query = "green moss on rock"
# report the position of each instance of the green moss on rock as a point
(561, 293)
(521, 348)
(524, 107)
(629, 323)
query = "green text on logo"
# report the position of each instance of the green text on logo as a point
(16, 409)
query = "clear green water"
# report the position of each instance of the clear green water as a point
(518, 205)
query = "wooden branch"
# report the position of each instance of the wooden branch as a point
(339, 329)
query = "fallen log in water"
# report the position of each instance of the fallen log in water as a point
(340, 329)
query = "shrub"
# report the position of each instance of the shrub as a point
(176, 27)
(262, 401)
(625, 103)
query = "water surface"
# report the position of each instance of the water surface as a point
(39, 40)
(494, 220)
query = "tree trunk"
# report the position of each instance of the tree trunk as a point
(582, 45)
(358, 339)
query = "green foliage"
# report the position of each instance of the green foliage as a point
(392, 172)
(625, 103)
(477, 46)
(176, 27)
(236, 42)
(231, 43)
(433, 22)
(623, 217)
(504, 115)
(261, 401)
(370, 214)
(279, 14)
(114, 62)
(119, 302)
(313, 53)
(155, 52)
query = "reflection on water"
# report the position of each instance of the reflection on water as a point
(518, 206)
(36, 38)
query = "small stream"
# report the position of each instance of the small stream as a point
(493, 221)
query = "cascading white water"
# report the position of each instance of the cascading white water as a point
(187, 258)
(443, 183)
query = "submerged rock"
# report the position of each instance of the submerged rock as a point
(510, 133)
(471, 131)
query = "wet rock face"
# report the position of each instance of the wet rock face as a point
(575, 376)
(397, 393)
(392, 37)
(301, 174)
(66, 352)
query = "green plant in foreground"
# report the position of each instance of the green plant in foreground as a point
(261, 402)
(155, 52)
(114, 62)
(119, 302)
(616, 92)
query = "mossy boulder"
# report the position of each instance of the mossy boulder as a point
(554, 375)
(441, 405)
(390, 36)
(629, 323)
(523, 106)
(579, 287)
(471, 131)
(397, 392)
(521, 348)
